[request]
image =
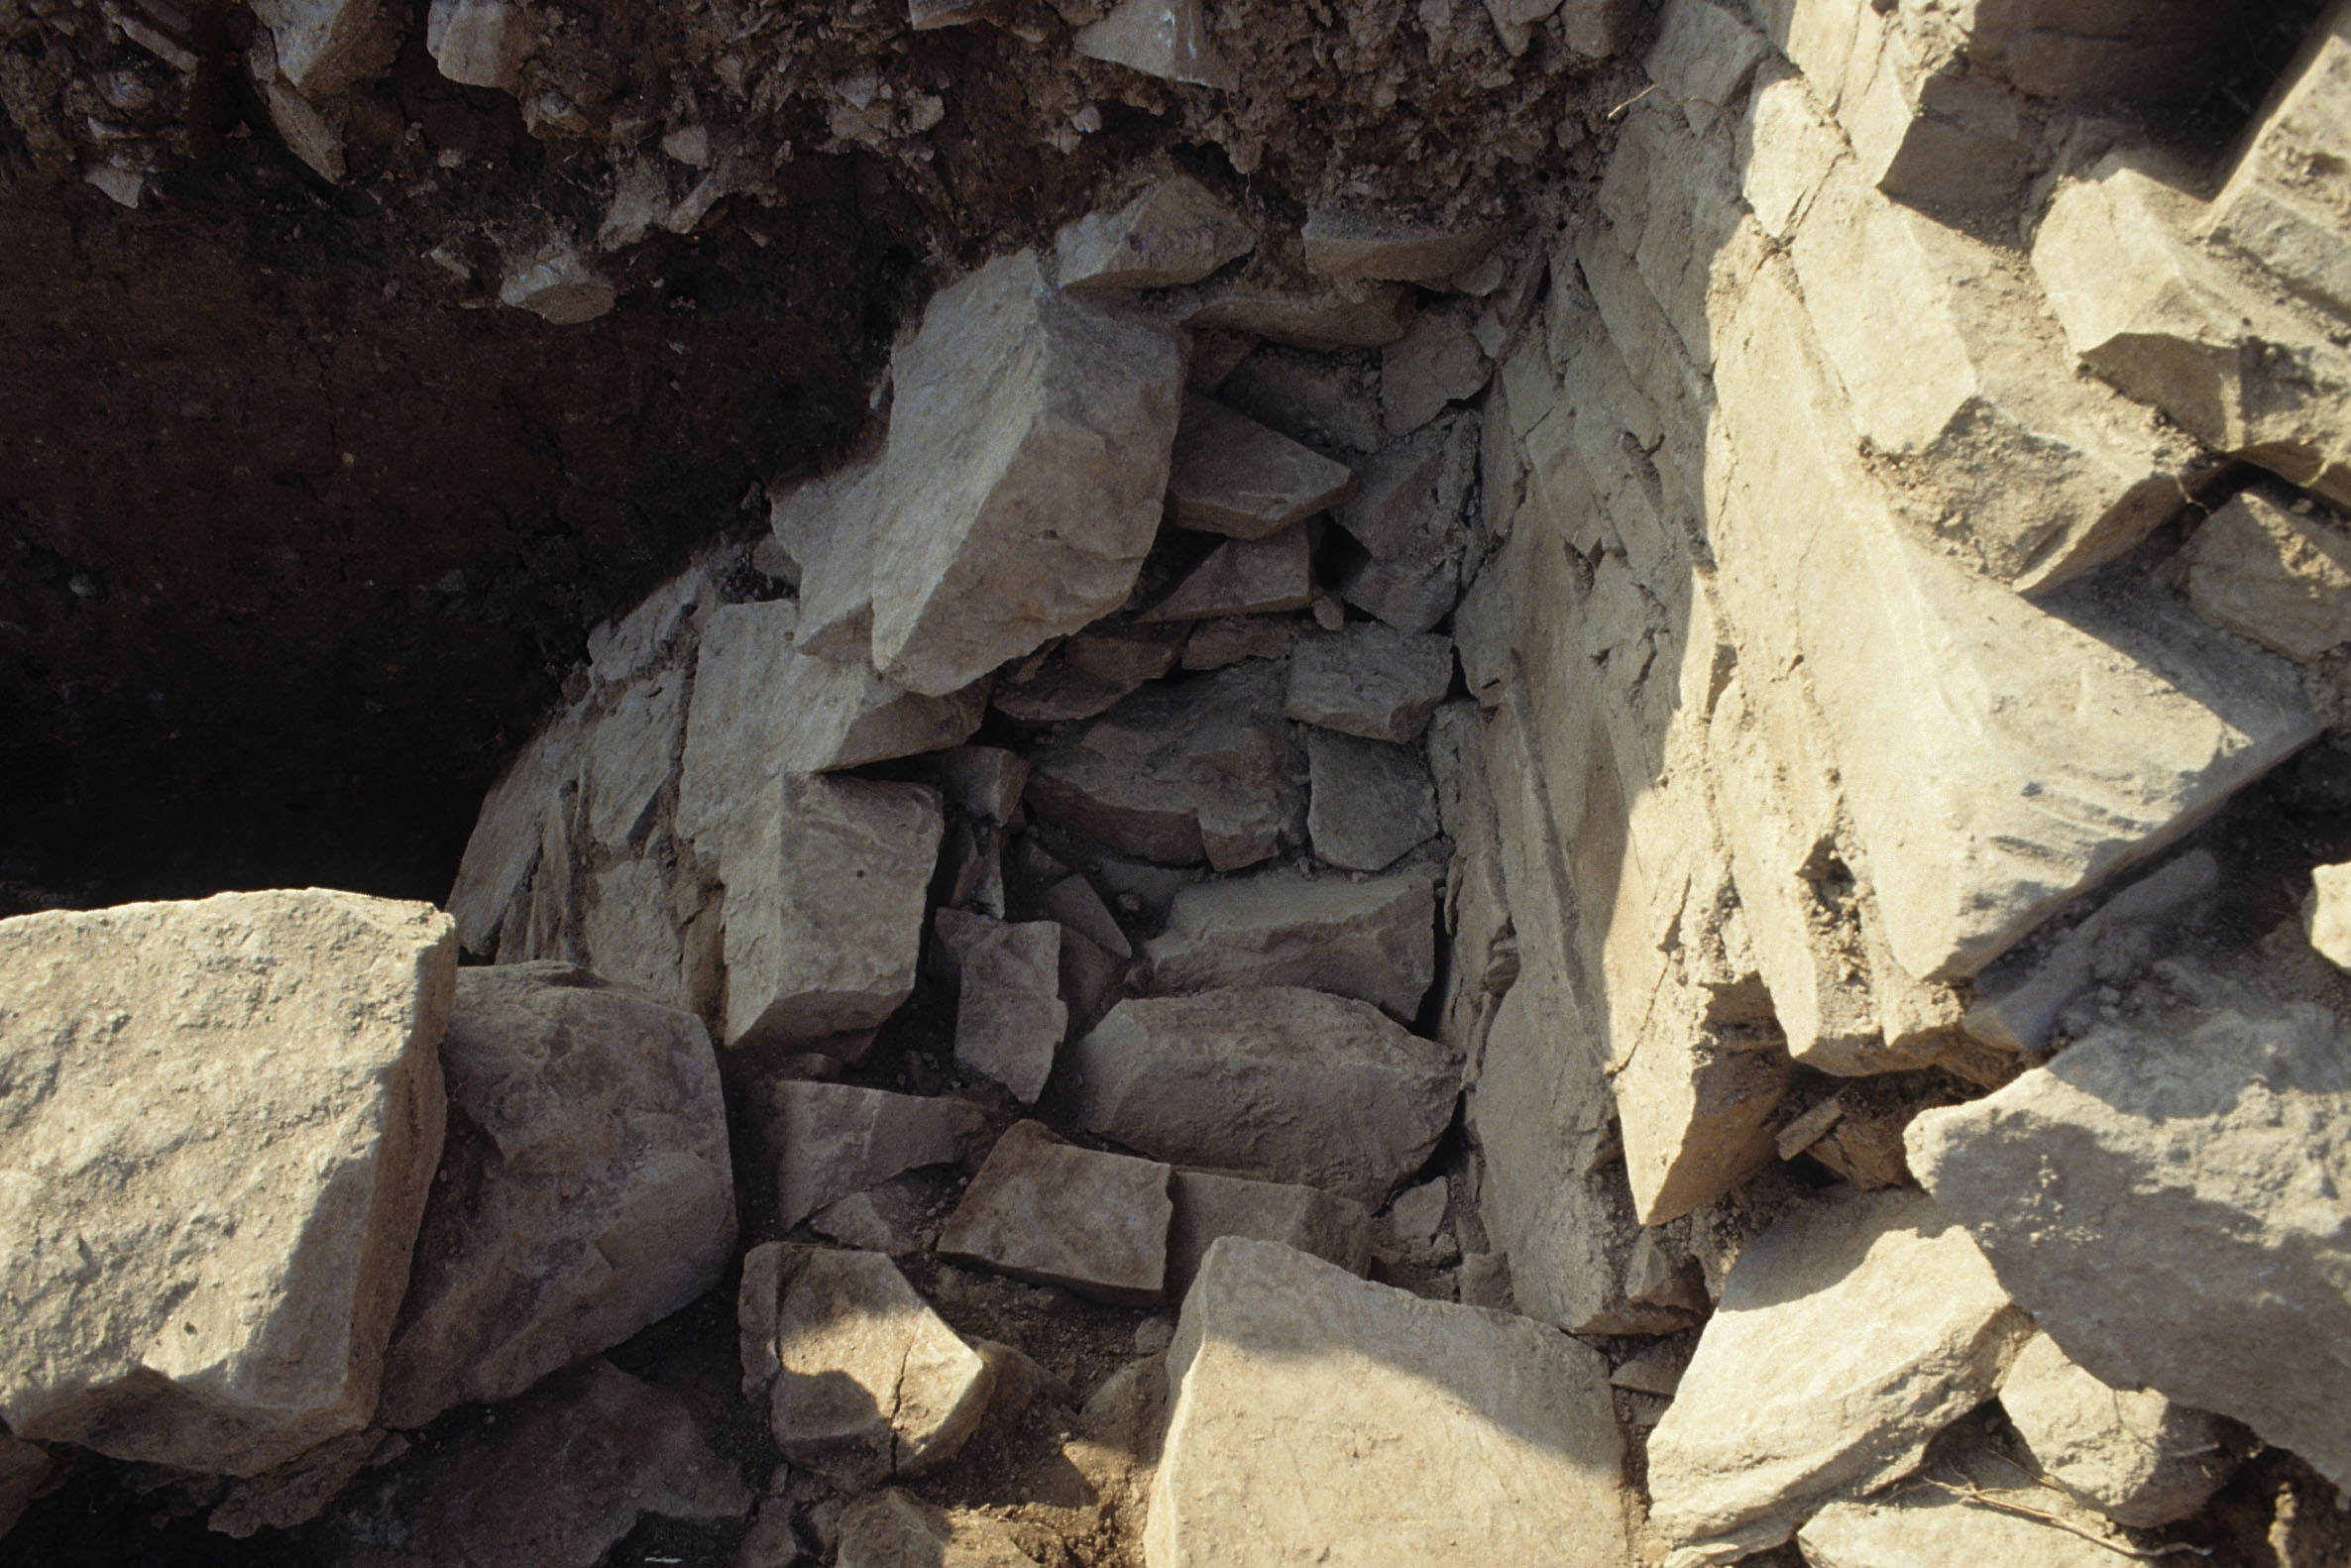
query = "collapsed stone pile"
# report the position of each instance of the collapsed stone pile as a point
(1620, 965)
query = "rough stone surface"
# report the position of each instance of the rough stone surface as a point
(629, 754)
(1024, 514)
(324, 45)
(255, 1075)
(1010, 1017)
(1166, 39)
(2326, 914)
(586, 1189)
(833, 1140)
(2161, 1196)
(1369, 803)
(1173, 233)
(2278, 575)
(478, 43)
(1245, 577)
(1435, 363)
(1369, 680)
(1206, 770)
(1931, 1527)
(986, 781)
(825, 887)
(1848, 1336)
(863, 1381)
(1316, 1415)
(565, 1472)
(1231, 474)
(1351, 245)
(506, 836)
(896, 1529)
(2130, 1453)
(1373, 940)
(1045, 1211)
(1322, 1224)
(1281, 1083)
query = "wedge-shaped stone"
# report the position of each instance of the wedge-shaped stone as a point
(1848, 1336)
(1435, 363)
(1245, 577)
(1045, 1211)
(586, 1190)
(863, 1383)
(1409, 1432)
(1945, 1526)
(1166, 39)
(1323, 1224)
(844, 715)
(1354, 245)
(1009, 1015)
(1206, 770)
(1374, 940)
(1369, 680)
(2278, 576)
(1319, 314)
(2192, 333)
(1369, 803)
(827, 882)
(1231, 474)
(1177, 232)
(833, 1140)
(324, 45)
(223, 1120)
(2162, 1197)
(508, 835)
(1279, 1082)
(561, 1476)
(826, 526)
(2130, 1453)
(986, 781)
(1028, 454)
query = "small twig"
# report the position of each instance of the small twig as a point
(1978, 1495)
(1630, 102)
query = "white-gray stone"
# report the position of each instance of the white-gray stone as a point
(1207, 1206)
(1369, 680)
(1009, 1015)
(830, 1141)
(1373, 940)
(1231, 474)
(1175, 232)
(1044, 1210)
(1369, 803)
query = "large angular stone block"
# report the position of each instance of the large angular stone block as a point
(1374, 940)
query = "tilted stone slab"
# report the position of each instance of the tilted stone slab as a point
(1231, 474)
(1374, 940)
(1042, 1209)
(833, 1140)
(1175, 232)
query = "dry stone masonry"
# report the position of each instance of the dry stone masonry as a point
(1658, 879)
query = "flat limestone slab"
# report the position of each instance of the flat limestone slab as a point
(223, 1120)
(587, 1194)
(1231, 474)
(1321, 1418)
(1045, 1211)
(1374, 940)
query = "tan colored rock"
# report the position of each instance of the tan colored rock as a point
(826, 883)
(325, 46)
(507, 833)
(1175, 232)
(563, 1474)
(1316, 1414)
(257, 1075)
(621, 649)
(1010, 1017)
(1926, 129)
(1166, 39)
(2280, 576)
(1704, 57)
(1369, 803)
(1320, 1224)
(2287, 202)
(863, 1383)
(1025, 513)
(1202, 771)
(2161, 1196)
(1435, 363)
(1348, 244)
(2132, 1454)
(1231, 474)
(586, 1188)
(1945, 1526)
(1848, 1336)
(1275, 1083)
(480, 43)
(1373, 940)
(1369, 680)
(1245, 577)
(830, 1141)
(2327, 913)
(896, 1529)
(1044, 1210)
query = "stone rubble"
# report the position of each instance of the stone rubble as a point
(1371, 681)
(1369, 804)
(1232, 476)
(1175, 232)
(1010, 1017)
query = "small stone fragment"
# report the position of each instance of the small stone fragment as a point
(557, 284)
(1213, 644)
(1245, 577)
(833, 1140)
(478, 42)
(1435, 363)
(1657, 1368)
(1166, 39)
(1231, 474)
(1175, 232)
(2132, 1454)
(1369, 803)
(561, 1475)
(1046, 1212)
(1275, 1083)
(895, 1530)
(986, 781)
(1343, 245)
(2327, 913)
(1408, 1431)
(1074, 902)
(1369, 680)
(2278, 575)
(1322, 1224)
(863, 1381)
(1373, 940)
(222, 1122)
(826, 888)
(586, 1189)
(1010, 1018)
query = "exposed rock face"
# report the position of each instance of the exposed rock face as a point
(1374, 940)
(564, 1473)
(862, 1381)
(2152, 1198)
(1279, 1082)
(586, 1188)
(2277, 576)
(259, 1072)
(1371, 803)
(1371, 681)
(1041, 1209)
(1848, 1336)
(2130, 1453)
(1409, 1432)
(833, 1140)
